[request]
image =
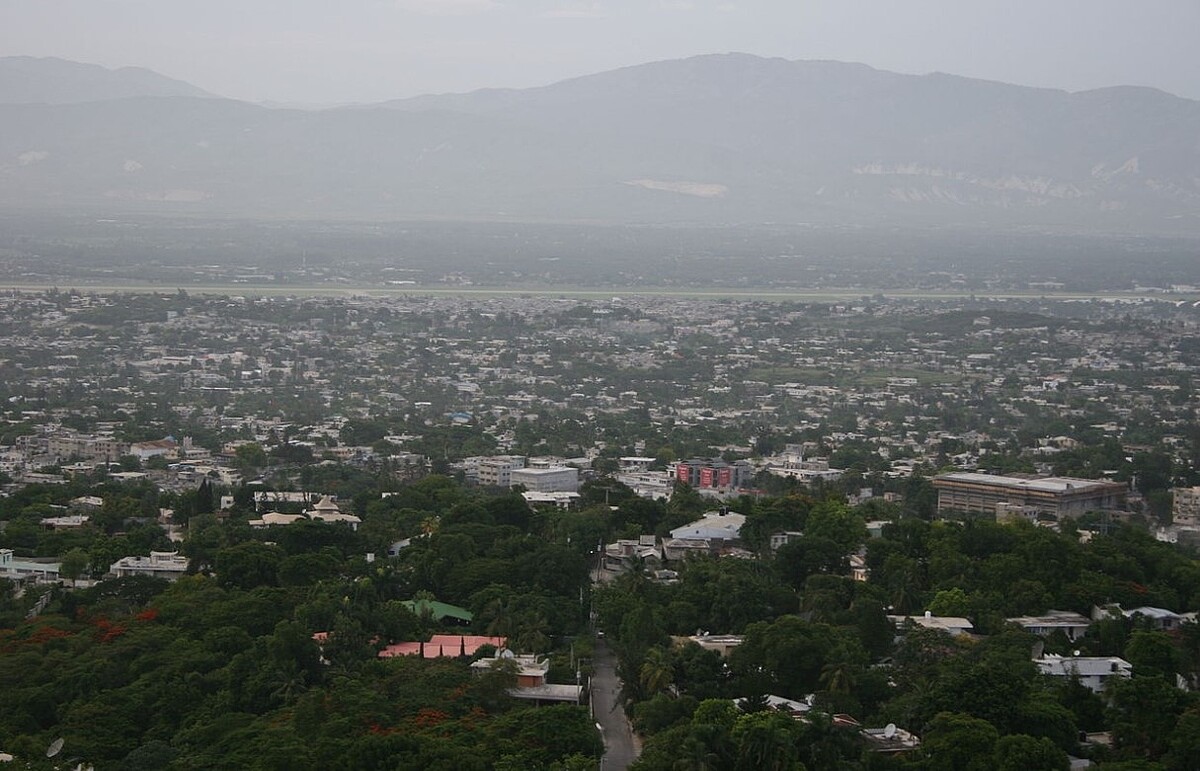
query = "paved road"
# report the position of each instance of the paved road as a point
(620, 746)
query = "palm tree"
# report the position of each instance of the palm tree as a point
(502, 614)
(289, 683)
(766, 741)
(837, 676)
(657, 671)
(532, 635)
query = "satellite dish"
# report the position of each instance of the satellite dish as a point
(889, 730)
(55, 747)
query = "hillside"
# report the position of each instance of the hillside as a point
(713, 139)
(48, 80)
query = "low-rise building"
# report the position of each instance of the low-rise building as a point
(1073, 625)
(1094, 672)
(630, 553)
(720, 525)
(954, 625)
(531, 679)
(442, 646)
(68, 522)
(723, 644)
(170, 565)
(890, 739)
(561, 500)
(16, 569)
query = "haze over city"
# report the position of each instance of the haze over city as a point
(600, 385)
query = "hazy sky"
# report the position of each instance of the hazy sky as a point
(327, 51)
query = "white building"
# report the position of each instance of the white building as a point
(1093, 671)
(1073, 625)
(636, 463)
(717, 532)
(954, 625)
(497, 471)
(545, 480)
(69, 522)
(160, 564)
(721, 525)
(17, 569)
(648, 484)
(560, 500)
(324, 510)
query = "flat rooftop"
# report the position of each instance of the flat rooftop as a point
(1058, 485)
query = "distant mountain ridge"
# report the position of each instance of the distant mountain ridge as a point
(27, 79)
(712, 139)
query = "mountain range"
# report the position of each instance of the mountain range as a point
(729, 138)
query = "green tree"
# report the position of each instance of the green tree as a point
(1151, 653)
(656, 672)
(958, 742)
(1142, 713)
(766, 741)
(1020, 752)
(73, 563)
(248, 565)
(251, 457)
(1185, 742)
(950, 602)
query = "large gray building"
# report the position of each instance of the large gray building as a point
(1001, 496)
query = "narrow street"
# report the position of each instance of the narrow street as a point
(620, 746)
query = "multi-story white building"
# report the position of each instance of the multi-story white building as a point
(497, 471)
(547, 480)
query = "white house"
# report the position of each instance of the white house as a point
(720, 525)
(954, 625)
(160, 564)
(18, 569)
(1093, 671)
(1073, 625)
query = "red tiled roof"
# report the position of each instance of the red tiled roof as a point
(443, 645)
